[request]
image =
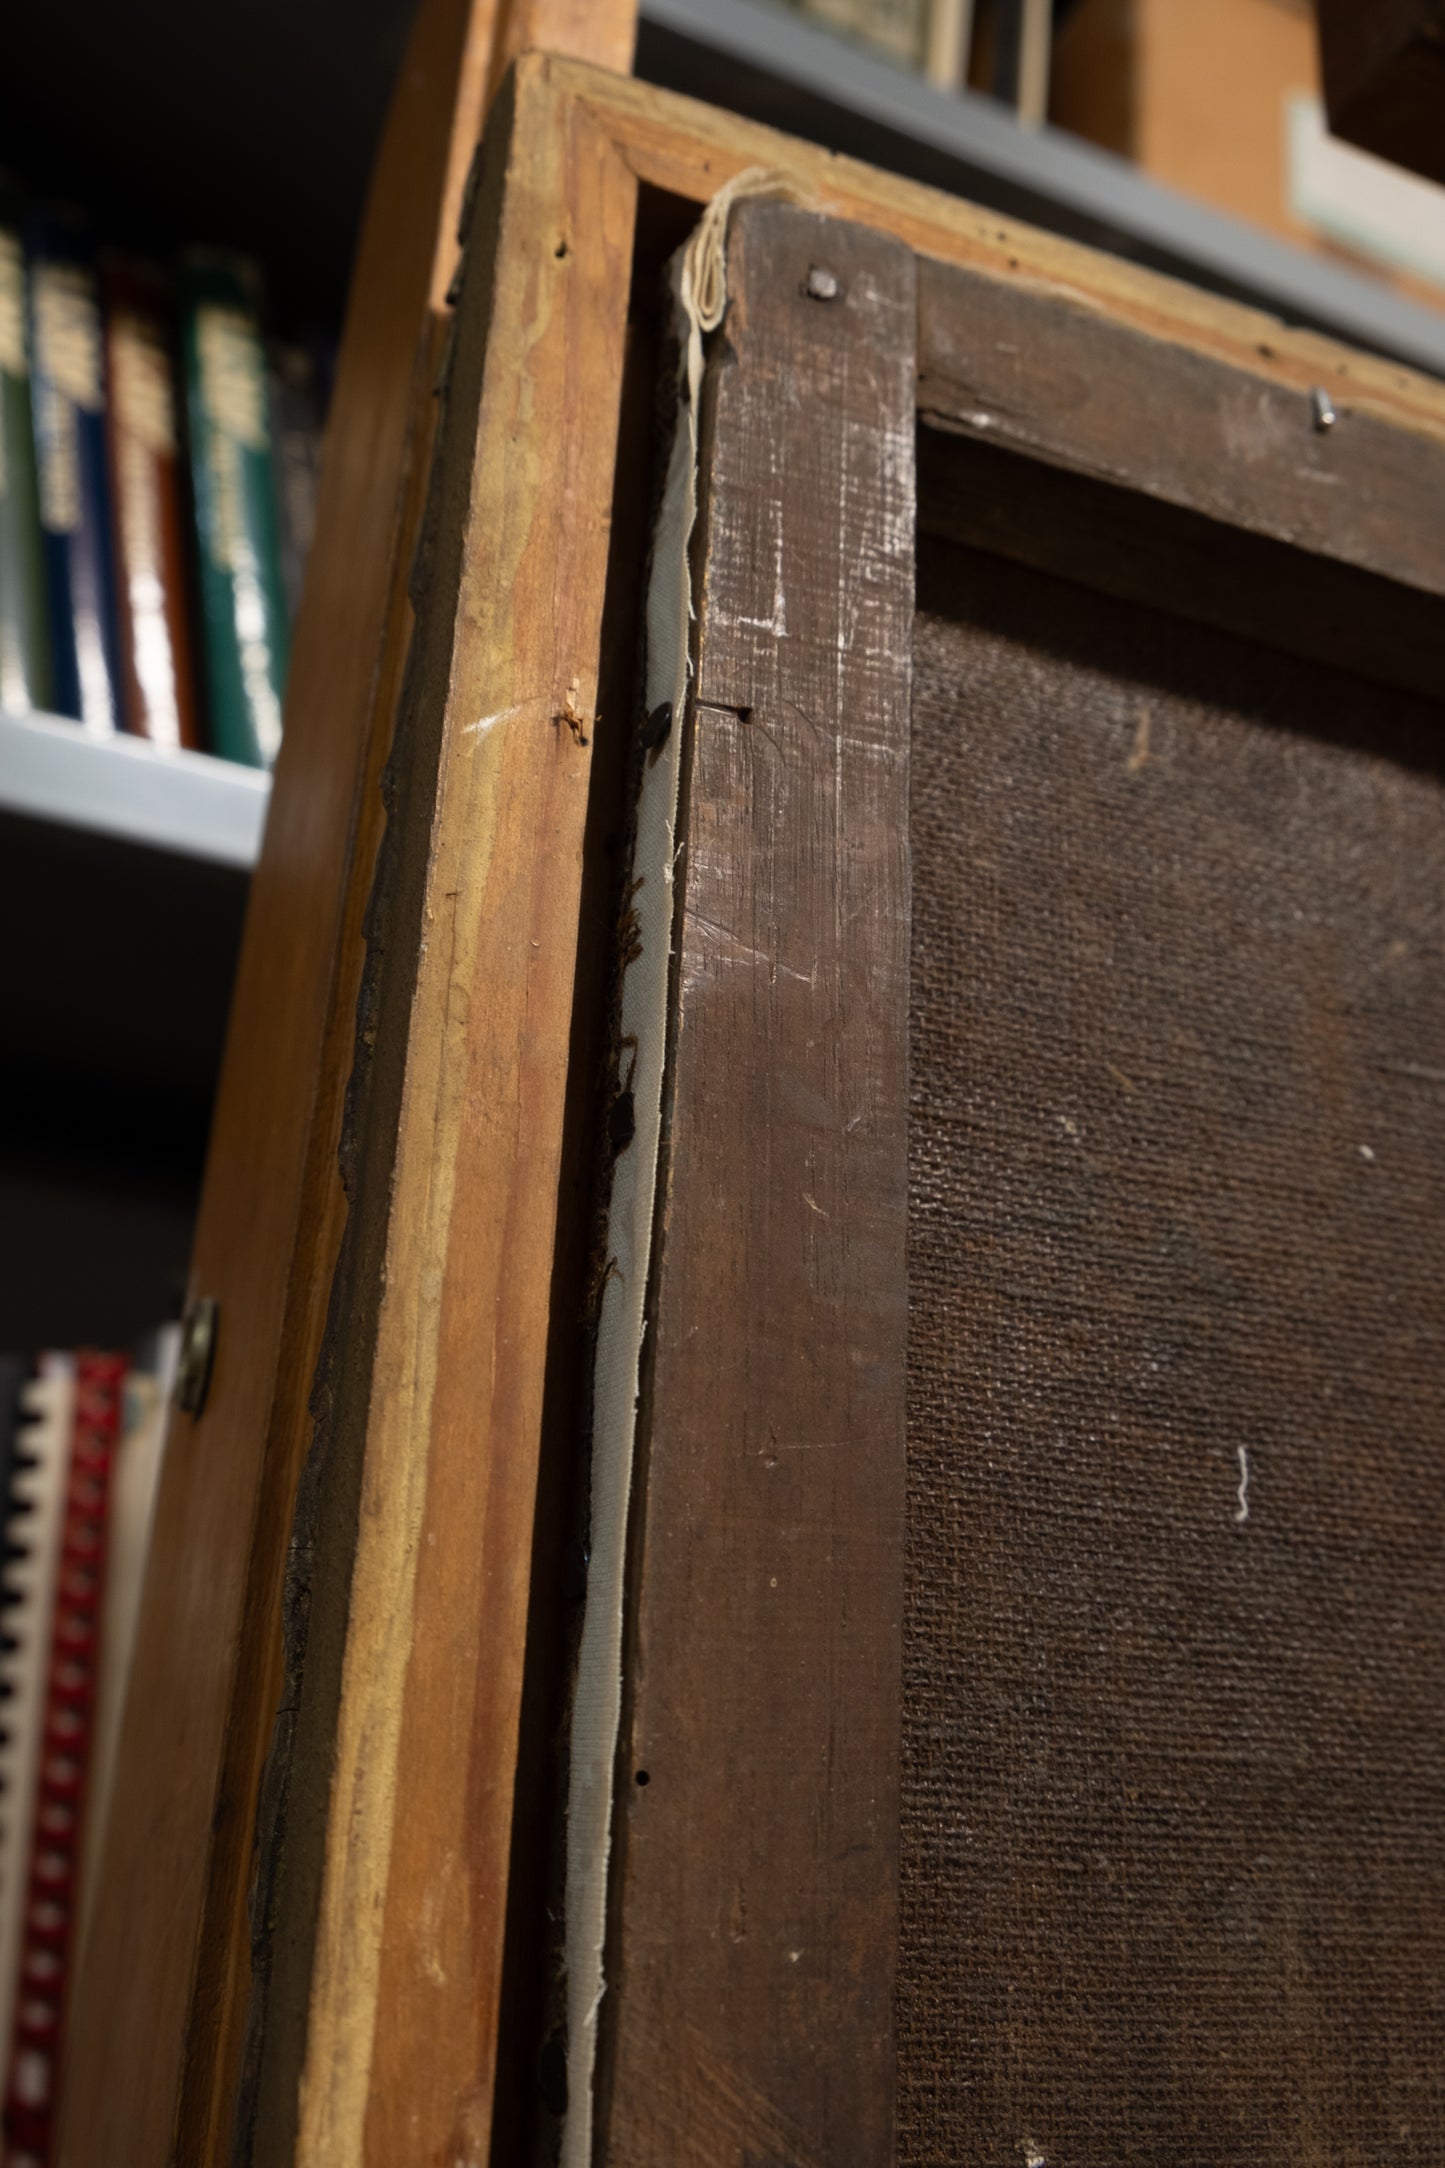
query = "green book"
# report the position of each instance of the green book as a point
(245, 629)
(26, 677)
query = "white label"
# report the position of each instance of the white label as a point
(1364, 203)
(67, 333)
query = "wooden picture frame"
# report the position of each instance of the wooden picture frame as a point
(406, 1824)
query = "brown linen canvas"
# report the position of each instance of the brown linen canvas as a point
(1173, 1838)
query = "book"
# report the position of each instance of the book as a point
(38, 1471)
(67, 390)
(48, 1929)
(296, 423)
(81, 1445)
(25, 672)
(896, 28)
(243, 597)
(152, 512)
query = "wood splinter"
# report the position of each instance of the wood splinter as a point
(570, 714)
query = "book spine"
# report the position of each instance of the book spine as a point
(895, 27)
(25, 673)
(68, 403)
(296, 438)
(243, 597)
(151, 511)
(839, 14)
(47, 1947)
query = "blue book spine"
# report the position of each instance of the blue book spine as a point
(67, 383)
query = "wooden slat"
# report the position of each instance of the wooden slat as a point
(602, 32)
(751, 2006)
(1145, 550)
(1383, 64)
(393, 1810)
(690, 149)
(1067, 384)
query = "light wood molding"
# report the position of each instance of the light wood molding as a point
(399, 1792)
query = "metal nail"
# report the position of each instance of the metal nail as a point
(198, 1354)
(1322, 409)
(821, 284)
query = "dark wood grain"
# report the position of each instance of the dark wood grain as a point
(1383, 63)
(1142, 549)
(1041, 374)
(753, 1975)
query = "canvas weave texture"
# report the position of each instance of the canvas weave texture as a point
(1173, 1837)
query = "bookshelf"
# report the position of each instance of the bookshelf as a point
(770, 64)
(187, 806)
(124, 871)
(123, 880)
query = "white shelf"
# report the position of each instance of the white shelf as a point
(188, 804)
(803, 77)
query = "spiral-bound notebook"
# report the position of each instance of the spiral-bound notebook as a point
(81, 1436)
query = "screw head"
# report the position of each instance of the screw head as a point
(198, 1354)
(821, 284)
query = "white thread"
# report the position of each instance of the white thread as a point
(1242, 1509)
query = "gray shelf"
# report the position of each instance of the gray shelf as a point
(775, 67)
(187, 805)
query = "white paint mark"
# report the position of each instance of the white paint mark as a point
(1367, 1153)
(1033, 2158)
(1241, 1511)
(777, 621)
(793, 1956)
(1139, 757)
(489, 722)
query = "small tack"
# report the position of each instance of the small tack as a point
(821, 284)
(1322, 408)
